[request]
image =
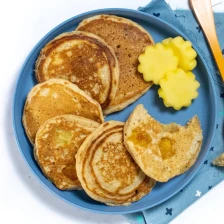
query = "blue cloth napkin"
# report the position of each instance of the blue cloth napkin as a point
(209, 175)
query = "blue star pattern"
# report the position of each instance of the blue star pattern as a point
(156, 14)
(206, 162)
(199, 29)
(221, 95)
(222, 51)
(217, 126)
(212, 149)
(209, 187)
(218, 24)
(216, 174)
(169, 211)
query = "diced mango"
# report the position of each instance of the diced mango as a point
(63, 137)
(156, 61)
(178, 89)
(166, 149)
(183, 50)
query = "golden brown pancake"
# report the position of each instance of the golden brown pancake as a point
(128, 39)
(219, 161)
(85, 60)
(56, 145)
(162, 151)
(107, 171)
(57, 97)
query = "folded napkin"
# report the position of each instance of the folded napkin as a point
(209, 175)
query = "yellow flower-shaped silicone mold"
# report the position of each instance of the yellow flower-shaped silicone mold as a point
(178, 89)
(156, 61)
(184, 51)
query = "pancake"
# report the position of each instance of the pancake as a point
(219, 161)
(107, 171)
(85, 60)
(56, 97)
(56, 144)
(128, 39)
(162, 151)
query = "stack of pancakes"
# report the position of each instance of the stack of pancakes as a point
(84, 75)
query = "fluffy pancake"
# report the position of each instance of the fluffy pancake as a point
(56, 97)
(56, 144)
(162, 151)
(128, 40)
(107, 171)
(219, 161)
(84, 59)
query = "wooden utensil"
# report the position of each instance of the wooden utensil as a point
(204, 14)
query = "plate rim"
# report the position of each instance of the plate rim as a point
(114, 11)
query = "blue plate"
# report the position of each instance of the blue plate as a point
(204, 106)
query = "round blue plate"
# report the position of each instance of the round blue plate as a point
(204, 106)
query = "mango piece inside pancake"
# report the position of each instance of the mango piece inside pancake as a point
(56, 145)
(162, 151)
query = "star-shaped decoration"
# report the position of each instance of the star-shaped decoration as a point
(206, 162)
(212, 149)
(217, 126)
(221, 95)
(209, 187)
(199, 29)
(169, 211)
(198, 194)
(218, 24)
(156, 14)
(216, 174)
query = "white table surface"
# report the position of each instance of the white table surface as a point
(23, 199)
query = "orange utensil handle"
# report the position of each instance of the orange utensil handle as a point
(204, 14)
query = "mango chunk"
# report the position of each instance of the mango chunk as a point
(156, 61)
(178, 89)
(166, 149)
(63, 137)
(183, 50)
